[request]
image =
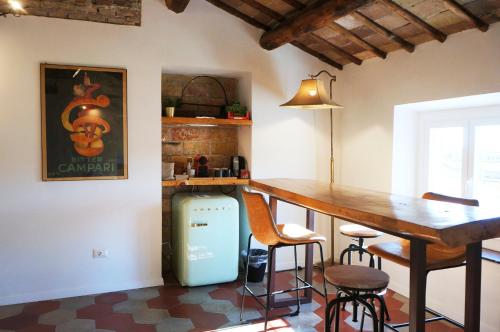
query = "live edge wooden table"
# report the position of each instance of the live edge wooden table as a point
(418, 220)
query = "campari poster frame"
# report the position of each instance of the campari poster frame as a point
(84, 123)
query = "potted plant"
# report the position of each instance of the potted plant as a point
(237, 111)
(169, 104)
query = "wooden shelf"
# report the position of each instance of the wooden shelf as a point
(178, 121)
(206, 182)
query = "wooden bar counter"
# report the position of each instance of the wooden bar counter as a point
(421, 221)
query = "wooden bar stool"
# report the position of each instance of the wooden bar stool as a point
(267, 232)
(358, 284)
(439, 257)
(358, 233)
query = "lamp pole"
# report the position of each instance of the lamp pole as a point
(333, 78)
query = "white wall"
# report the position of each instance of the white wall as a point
(466, 64)
(48, 230)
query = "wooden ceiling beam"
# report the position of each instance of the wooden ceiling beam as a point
(240, 15)
(414, 19)
(257, 24)
(316, 54)
(337, 49)
(308, 20)
(465, 14)
(295, 4)
(177, 6)
(346, 33)
(263, 9)
(383, 31)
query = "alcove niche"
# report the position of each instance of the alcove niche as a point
(201, 93)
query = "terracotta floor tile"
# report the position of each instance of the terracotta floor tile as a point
(94, 311)
(111, 298)
(186, 310)
(39, 308)
(208, 320)
(18, 322)
(115, 321)
(38, 328)
(163, 302)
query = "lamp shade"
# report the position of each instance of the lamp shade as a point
(311, 96)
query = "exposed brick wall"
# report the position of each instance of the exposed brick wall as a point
(123, 12)
(200, 91)
(218, 144)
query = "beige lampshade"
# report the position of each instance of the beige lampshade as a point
(311, 96)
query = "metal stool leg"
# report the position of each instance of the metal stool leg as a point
(386, 310)
(296, 278)
(373, 313)
(246, 278)
(337, 317)
(355, 309)
(269, 279)
(323, 271)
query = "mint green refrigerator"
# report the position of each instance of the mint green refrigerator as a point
(205, 237)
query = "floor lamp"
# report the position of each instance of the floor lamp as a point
(312, 96)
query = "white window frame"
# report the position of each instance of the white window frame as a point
(467, 119)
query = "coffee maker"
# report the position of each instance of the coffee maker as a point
(237, 164)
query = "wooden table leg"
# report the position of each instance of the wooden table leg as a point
(418, 276)
(473, 287)
(307, 298)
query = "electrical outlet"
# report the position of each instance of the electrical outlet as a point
(99, 253)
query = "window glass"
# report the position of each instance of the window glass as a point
(446, 160)
(486, 177)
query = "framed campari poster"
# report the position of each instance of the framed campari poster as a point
(84, 123)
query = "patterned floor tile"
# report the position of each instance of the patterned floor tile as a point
(76, 325)
(143, 294)
(57, 317)
(94, 311)
(38, 328)
(173, 324)
(10, 310)
(150, 316)
(130, 306)
(111, 298)
(17, 322)
(174, 308)
(115, 321)
(75, 303)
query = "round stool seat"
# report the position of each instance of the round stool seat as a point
(356, 278)
(359, 231)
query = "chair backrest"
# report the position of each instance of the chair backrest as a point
(260, 219)
(450, 199)
(436, 249)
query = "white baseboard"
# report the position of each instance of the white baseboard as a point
(79, 291)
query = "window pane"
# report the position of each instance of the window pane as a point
(486, 185)
(445, 160)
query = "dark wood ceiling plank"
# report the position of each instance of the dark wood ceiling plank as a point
(318, 55)
(295, 4)
(308, 20)
(266, 10)
(414, 19)
(177, 6)
(257, 24)
(336, 49)
(381, 30)
(465, 14)
(233, 11)
(357, 40)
